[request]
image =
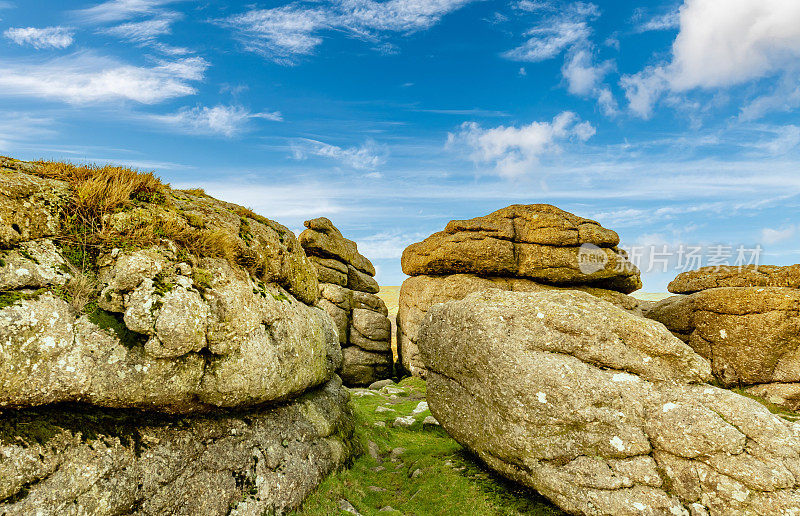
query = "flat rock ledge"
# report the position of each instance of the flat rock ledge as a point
(71, 460)
(602, 411)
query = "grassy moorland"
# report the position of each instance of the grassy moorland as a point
(416, 469)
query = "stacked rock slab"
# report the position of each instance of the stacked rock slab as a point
(519, 248)
(181, 383)
(347, 293)
(746, 321)
(601, 411)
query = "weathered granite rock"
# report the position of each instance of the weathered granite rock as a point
(522, 248)
(602, 411)
(324, 240)
(190, 373)
(78, 460)
(32, 264)
(347, 289)
(365, 367)
(30, 206)
(538, 242)
(735, 276)
(751, 335)
(419, 293)
(171, 348)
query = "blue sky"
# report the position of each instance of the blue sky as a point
(674, 123)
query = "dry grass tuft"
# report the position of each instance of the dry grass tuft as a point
(100, 190)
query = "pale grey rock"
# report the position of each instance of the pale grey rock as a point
(155, 356)
(247, 463)
(419, 293)
(381, 346)
(602, 411)
(33, 265)
(341, 318)
(375, 386)
(30, 206)
(372, 325)
(362, 367)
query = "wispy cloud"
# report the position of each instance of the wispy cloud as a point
(720, 45)
(17, 128)
(120, 10)
(564, 29)
(286, 33)
(47, 37)
(143, 31)
(84, 78)
(665, 21)
(776, 235)
(368, 156)
(218, 120)
(516, 151)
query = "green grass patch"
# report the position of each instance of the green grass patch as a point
(113, 322)
(433, 476)
(15, 296)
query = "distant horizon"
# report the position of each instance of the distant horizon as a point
(674, 123)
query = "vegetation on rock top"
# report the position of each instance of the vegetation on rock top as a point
(119, 207)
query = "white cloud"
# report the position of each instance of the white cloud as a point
(643, 89)
(387, 245)
(784, 97)
(565, 29)
(143, 31)
(86, 78)
(668, 21)
(119, 10)
(582, 75)
(286, 32)
(48, 37)
(288, 203)
(774, 236)
(727, 43)
(366, 157)
(221, 120)
(606, 101)
(547, 42)
(516, 151)
(722, 44)
(785, 139)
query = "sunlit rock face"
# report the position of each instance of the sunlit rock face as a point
(519, 248)
(166, 356)
(746, 321)
(600, 410)
(347, 294)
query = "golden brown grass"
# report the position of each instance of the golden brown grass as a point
(99, 190)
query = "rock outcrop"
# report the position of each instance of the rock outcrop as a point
(746, 321)
(152, 304)
(347, 293)
(518, 248)
(78, 460)
(602, 411)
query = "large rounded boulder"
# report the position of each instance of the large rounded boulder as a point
(600, 410)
